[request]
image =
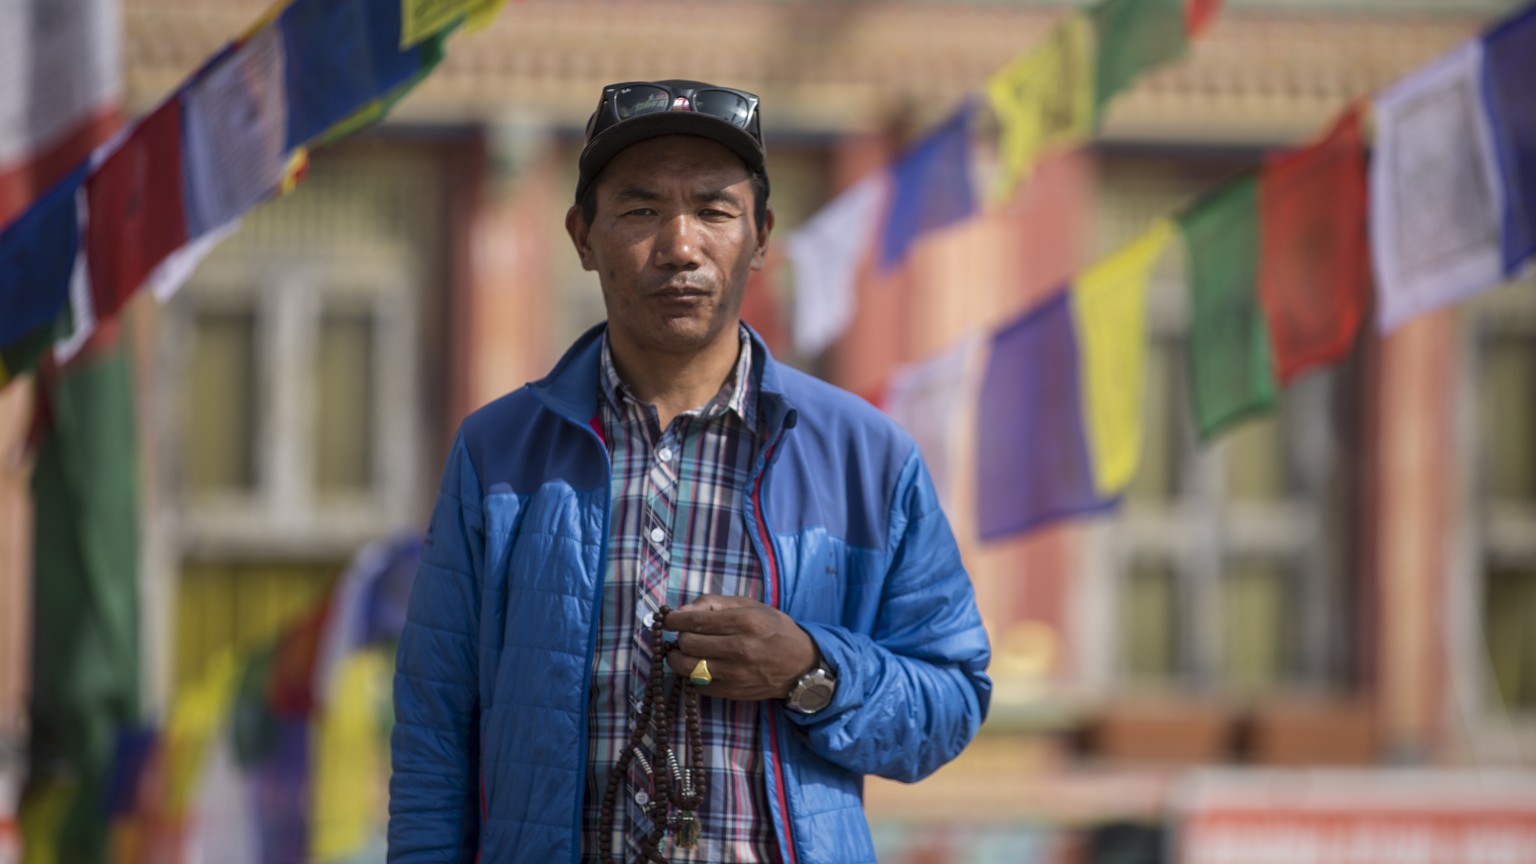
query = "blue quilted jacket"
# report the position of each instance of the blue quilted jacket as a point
(490, 738)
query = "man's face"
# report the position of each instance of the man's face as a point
(672, 242)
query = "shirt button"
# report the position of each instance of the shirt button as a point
(658, 535)
(642, 798)
(664, 454)
(650, 617)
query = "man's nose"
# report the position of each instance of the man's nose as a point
(677, 245)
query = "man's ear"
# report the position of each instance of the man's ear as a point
(760, 255)
(576, 226)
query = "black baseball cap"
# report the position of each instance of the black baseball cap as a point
(633, 111)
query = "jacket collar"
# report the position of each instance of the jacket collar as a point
(572, 388)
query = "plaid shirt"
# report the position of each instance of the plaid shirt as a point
(678, 532)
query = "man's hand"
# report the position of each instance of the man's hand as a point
(754, 651)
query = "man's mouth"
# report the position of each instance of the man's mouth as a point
(681, 293)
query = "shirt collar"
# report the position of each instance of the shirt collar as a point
(736, 394)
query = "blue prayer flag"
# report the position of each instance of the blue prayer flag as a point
(1032, 457)
(37, 257)
(1510, 67)
(341, 55)
(932, 187)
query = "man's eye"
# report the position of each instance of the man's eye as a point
(640, 211)
(716, 214)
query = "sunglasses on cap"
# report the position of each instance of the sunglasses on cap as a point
(637, 98)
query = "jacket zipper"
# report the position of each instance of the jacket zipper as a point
(773, 600)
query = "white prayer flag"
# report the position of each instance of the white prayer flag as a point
(60, 62)
(236, 122)
(1436, 198)
(223, 828)
(169, 275)
(825, 255)
(929, 399)
(82, 305)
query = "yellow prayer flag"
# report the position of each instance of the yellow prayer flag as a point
(199, 711)
(481, 17)
(1109, 305)
(422, 19)
(1043, 98)
(350, 779)
(44, 812)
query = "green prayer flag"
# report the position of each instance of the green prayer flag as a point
(22, 356)
(86, 635)
(1133, 36)
(1232, 373)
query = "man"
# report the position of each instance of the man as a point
(670, 490)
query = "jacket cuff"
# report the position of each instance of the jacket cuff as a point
(842, 657)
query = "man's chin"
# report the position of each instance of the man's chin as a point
(683, 335)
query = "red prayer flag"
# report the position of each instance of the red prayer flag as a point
(1314, 262)
(1198, 14)
(135, 216)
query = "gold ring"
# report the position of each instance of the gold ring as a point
(700, 676)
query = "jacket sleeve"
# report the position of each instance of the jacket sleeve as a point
(912, 691)
(434, 789)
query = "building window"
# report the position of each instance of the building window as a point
(1505, 448)
(296, 425)
(1227, 562)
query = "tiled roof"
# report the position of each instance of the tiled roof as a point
(1258, 76)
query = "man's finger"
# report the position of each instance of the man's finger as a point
(721, 647)
(681, 663)
(712, 620)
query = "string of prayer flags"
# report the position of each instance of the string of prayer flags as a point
(341, 55)
(929, 398)
(135, 199)
(1032, 452)
(1314, 273)
(1133, 36)
(825, 255)
(1198, 15)
(1437, 201)
(1109, 305)
(1231, 370)
(931, 187)
(1042, 99)
(1510, 67)
(37, 257)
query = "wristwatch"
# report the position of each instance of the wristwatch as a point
(813, 691)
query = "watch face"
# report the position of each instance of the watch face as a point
(814, 696)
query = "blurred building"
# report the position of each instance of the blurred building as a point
(1348, 581)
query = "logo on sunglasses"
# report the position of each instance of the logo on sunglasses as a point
(681, 104)
(651, 103)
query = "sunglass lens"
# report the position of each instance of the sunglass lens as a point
(731, 107)
(634, 101)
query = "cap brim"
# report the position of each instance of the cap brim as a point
(601, 150)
